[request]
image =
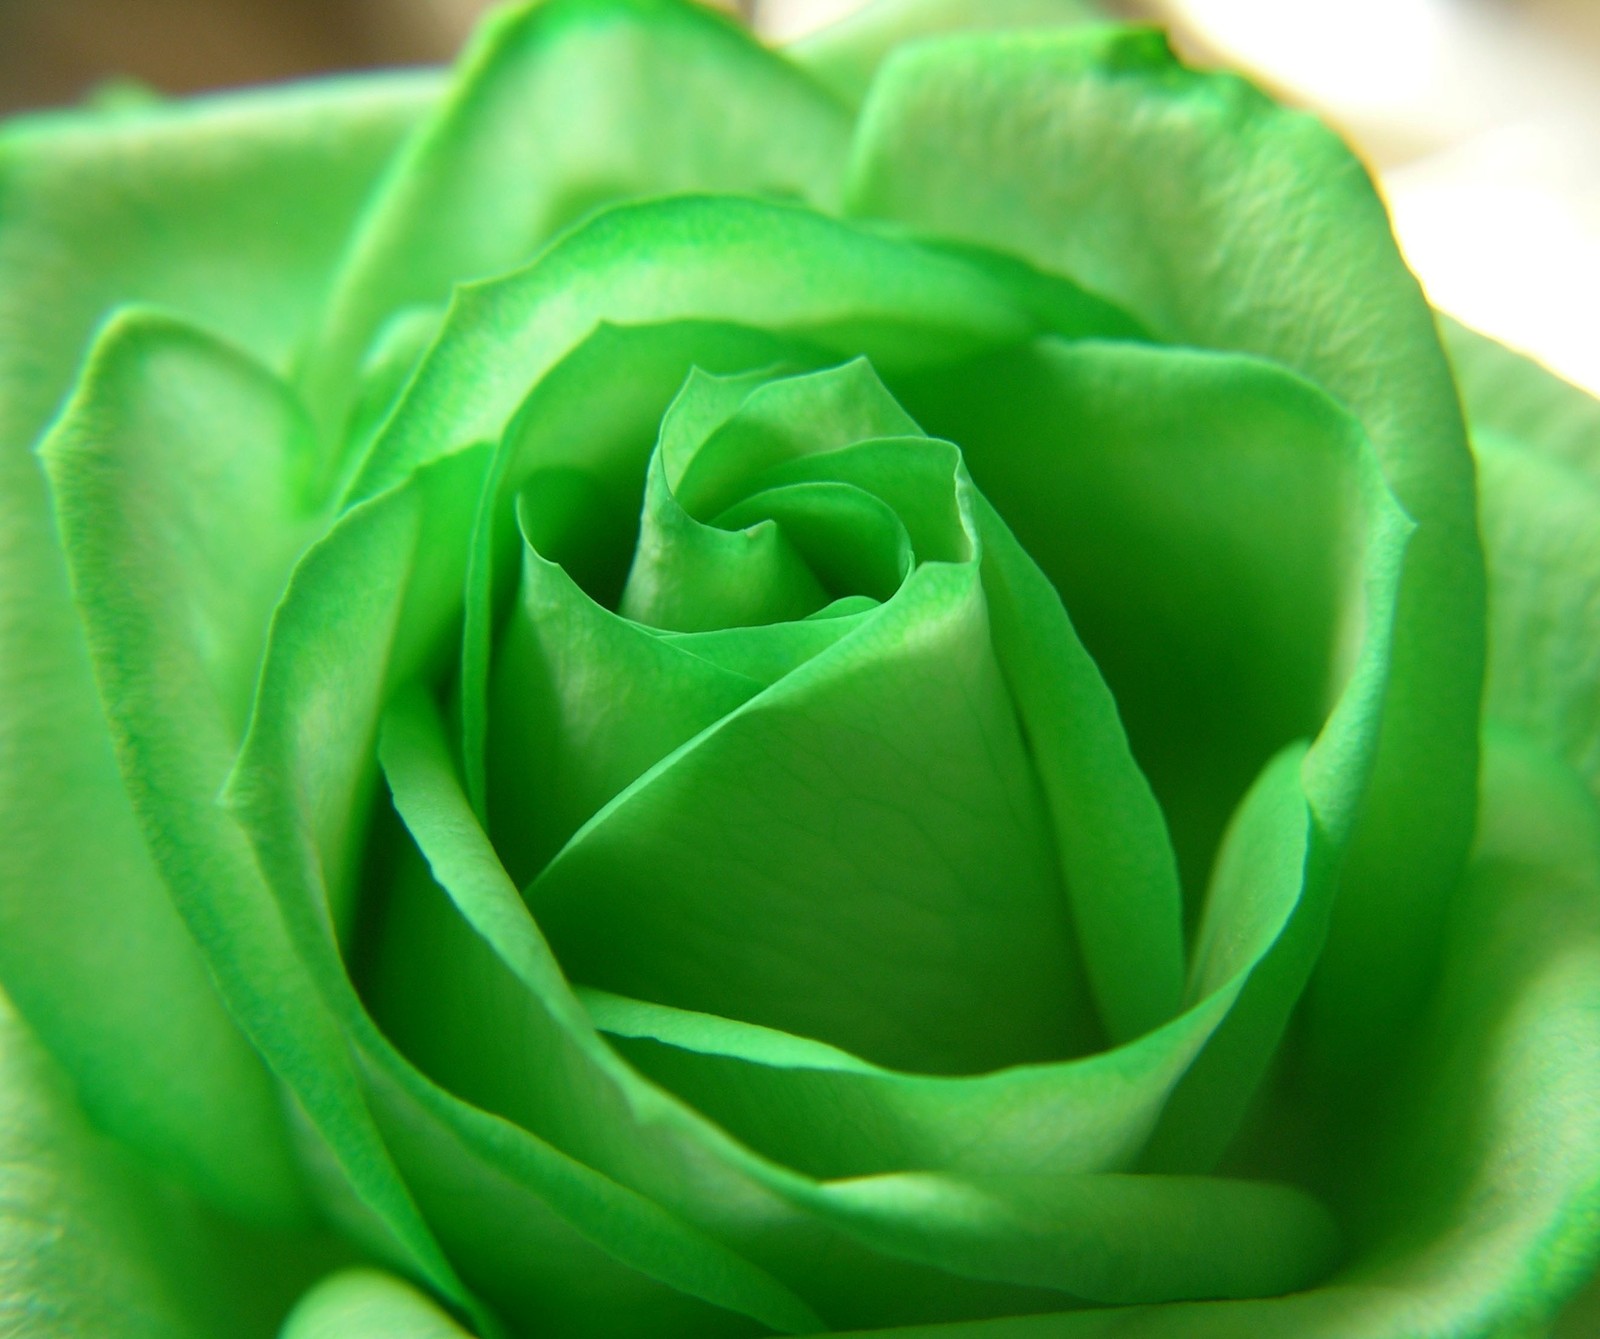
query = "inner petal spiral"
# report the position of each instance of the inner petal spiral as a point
(785, 781)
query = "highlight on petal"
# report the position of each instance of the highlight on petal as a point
(719, 259)
(559, 108)
(367, 1304)
(844, 55)
(1537, 442)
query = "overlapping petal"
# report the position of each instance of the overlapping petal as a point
(164, 204)
(776, 923)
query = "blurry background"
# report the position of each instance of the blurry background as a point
(1481, 117)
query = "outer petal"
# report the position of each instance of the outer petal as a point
(844, 56)
(1537, 441)
(559, 108)
(92, 1243)
(1223, 221)
(179, 536)
(1488, 1203)
(232, 208)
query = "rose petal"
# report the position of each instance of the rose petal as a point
(1224, 221)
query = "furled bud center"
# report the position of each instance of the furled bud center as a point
(785, 781)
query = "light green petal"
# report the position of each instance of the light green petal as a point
(727, 542)
(366, 1304)
(708, 259)
(1541, 530)
(1110, 1238)
(767, 653)
(586, 431)
(1537, 440)
(475, 952)
(1509, 395)
(845, 55)
(179, 535)
(1488, 1203)
(92, 1242)
(938, 925)
(771, 424)
(688, 576)
(520, 1220)
(166, 205)
(175, 657)
(561, 107)
(572, 362)
(1223, 221)
(829, 1113)
(583, 702)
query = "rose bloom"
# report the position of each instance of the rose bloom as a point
(660, 688)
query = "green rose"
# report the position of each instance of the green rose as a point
(669, 689)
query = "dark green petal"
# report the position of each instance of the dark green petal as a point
(164, 204)
(1138, 479)
(1116, 857)
(366, 1304)
(1268, 905)
(844, 56)
(1220, 220)
(561, 107)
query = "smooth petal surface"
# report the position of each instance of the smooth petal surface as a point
(845, 55)
(164, 205)
(718, 259)
(92, 1242)
(939, 928)
(1222, 221)
(179, 539)
(1488, 1196)
(562, 107)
